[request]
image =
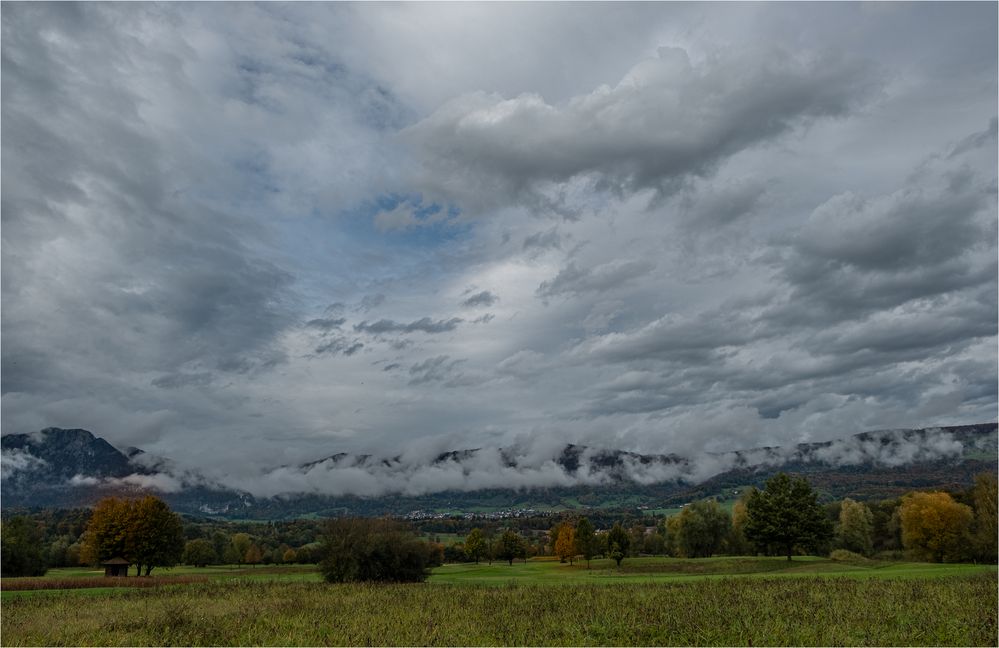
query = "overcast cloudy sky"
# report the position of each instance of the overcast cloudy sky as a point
(247, 235)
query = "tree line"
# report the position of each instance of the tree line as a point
(784, 518)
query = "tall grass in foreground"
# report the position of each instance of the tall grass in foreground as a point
(806, 611)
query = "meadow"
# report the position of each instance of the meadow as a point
(728, 601)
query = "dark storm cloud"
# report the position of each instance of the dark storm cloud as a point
(339, 345)
(155, 281)
(327, 324)
(422, 325)
(484, 298)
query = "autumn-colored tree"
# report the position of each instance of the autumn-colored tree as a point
(107, 533)
(144, 532)
(618, 543)
(253, 555)
(855, 531)
(475, 545)
(290, 556)
(985, 531)
(585, 540)
(565, 545)
(935, 528)
(737, 544)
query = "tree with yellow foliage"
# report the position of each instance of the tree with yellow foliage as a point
(565, 545)
(935, 528)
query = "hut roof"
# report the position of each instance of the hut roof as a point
(116, 561)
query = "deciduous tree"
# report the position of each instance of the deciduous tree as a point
(855, 531)
(253, 555)
(985, 528)
(475, 545)
(618, 543)
(107, 533)
(565, 545)
(200, 553)
(703, 527)
(235, 552)
(359, 549)
(510, 545)
(935, 527)
(157, 534)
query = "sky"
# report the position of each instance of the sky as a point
(251, 235)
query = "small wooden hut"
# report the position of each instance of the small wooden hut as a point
(116, 567)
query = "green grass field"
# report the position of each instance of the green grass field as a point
(649, 601)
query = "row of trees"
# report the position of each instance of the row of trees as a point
(785, 518)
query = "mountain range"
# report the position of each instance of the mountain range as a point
(72, 467)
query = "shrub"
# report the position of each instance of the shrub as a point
(843, 555)
(357, 549)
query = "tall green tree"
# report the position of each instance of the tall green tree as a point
(618, 543)
(585, 540)
(21, 548)
(235, 552)
(157, 534)
(855, 531)
(475, 545)
(786, 514)
(704, 525)
(510, 545)
(985, 528)
(199, 553)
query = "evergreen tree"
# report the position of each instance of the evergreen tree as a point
(786, 514)
(585, 540)
(21, 548)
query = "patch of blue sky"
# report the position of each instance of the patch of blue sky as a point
(339, 257)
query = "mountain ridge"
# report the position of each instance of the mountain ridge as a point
(56, 467)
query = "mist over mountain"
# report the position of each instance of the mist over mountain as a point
(56, 467)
